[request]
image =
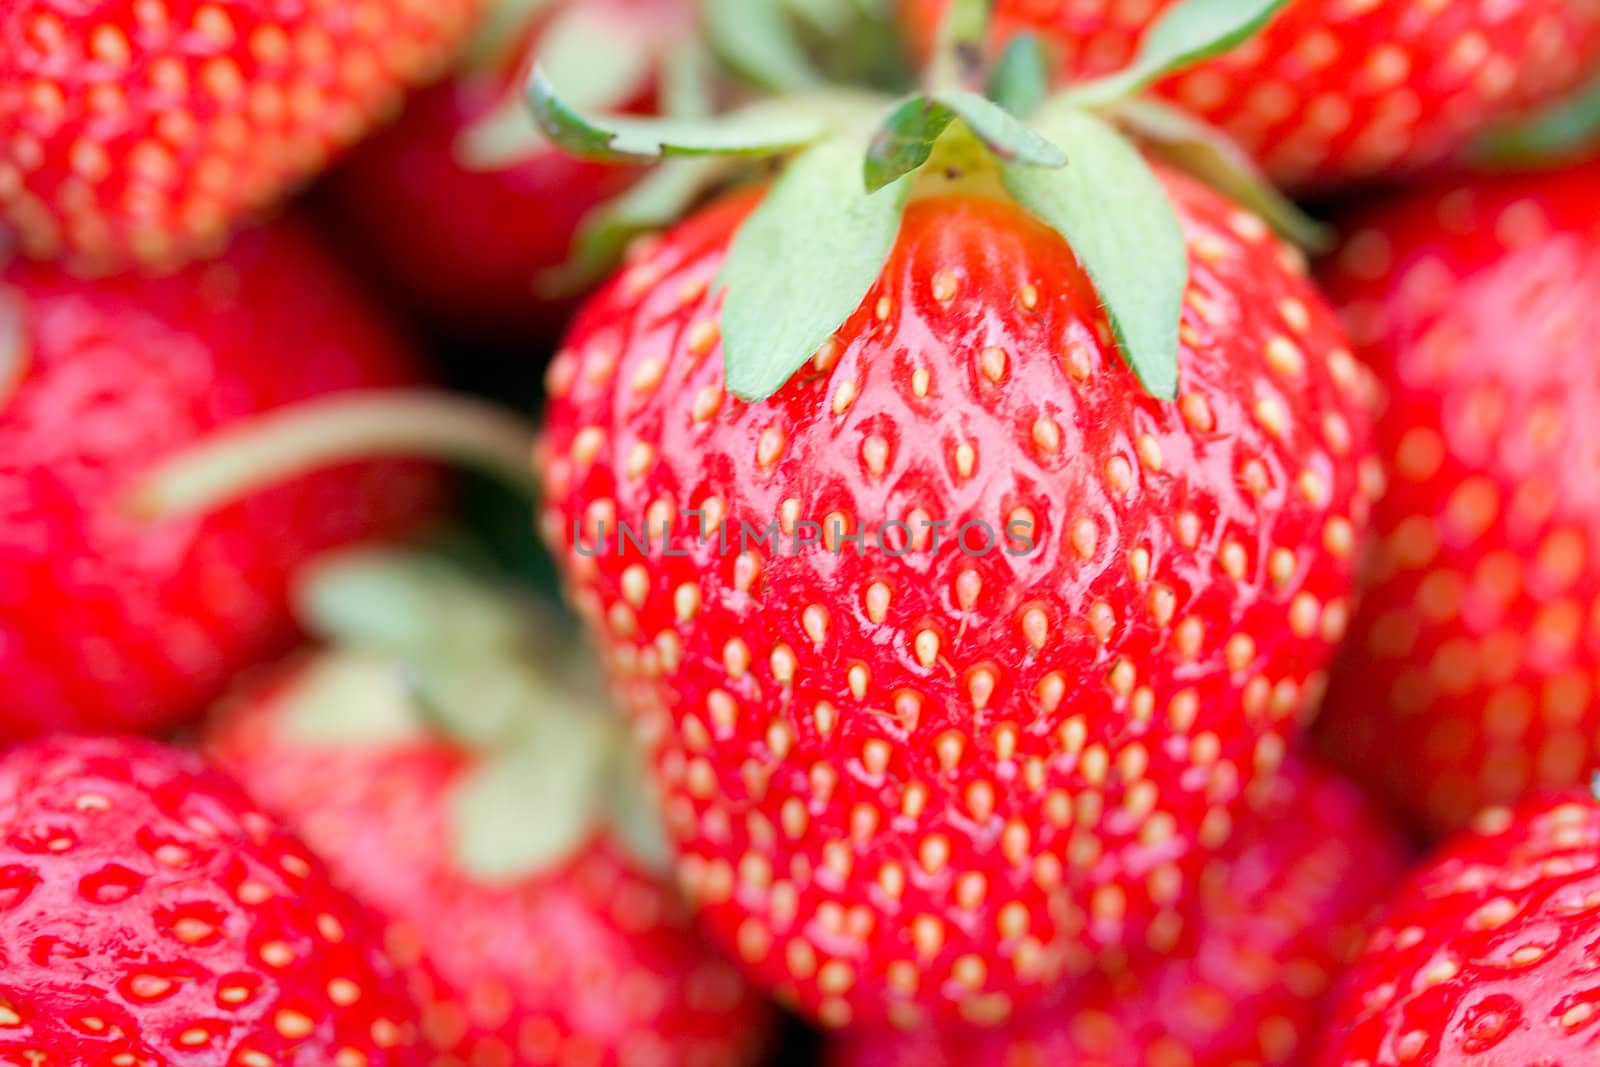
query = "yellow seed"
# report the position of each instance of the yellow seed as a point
(993, 361)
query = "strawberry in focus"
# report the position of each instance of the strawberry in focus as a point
(469, 241)
(141, 132)
(1335, 91)
(1486, 954)
(149, 914)
(110, 622)
(1471, 673)
(912, 781)
(1280, 918)
(521, 889)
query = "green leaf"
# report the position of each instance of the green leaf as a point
(826, 17)
(755, 39)
(758, 130)
(687, 81)
(569, 45)
(501, 31)
(905, 140)
(1553, 134)
(1124, 231)
(802, 263)
(1001, 131)
(1187, 33)
(1021, 81)
(660, 198)
(1209, 154)
(508, 134)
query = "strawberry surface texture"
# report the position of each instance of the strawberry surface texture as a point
(923, 780)
(1486, 954)
(1334, 92)
(583, 954)
(139, 132)
(1471, 672)
(1281, 916)
(108, 620)
(150, 914)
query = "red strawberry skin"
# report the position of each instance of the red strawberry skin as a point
(1336, 91)
(111, 623)
(1486, 953)
(465, 245)
(925, 787)
(593, 961)
(151, 915)
(1279, 920)
(142, 131)
(1473, 661)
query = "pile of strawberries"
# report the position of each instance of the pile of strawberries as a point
(991, 582)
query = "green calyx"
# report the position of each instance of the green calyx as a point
(831, 217)
(416, 649)
(1562, 132)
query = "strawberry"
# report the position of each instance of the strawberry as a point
(1472, 665)
(1335, 91)
(149, 914)
(917, 781)
(1279, 920)
(142, 131)
(1486, 953)
(110, 622)
(468, 241)
(537, 928)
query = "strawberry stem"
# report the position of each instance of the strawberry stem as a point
(279, 445)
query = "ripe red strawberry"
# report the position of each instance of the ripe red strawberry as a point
(928, 783)
(1486, 954)
(109, 622)
(536, 927)
(142, 131)
(1339, 90)
(1279, 920)
(1474, 659)
(466, 242)
(149, 915)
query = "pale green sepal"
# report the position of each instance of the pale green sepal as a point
(660, 198)
(753, 38)
(1207, 153)
(567, 50)
(905, 140)
(1020, 82)
(802, 263)
(1185, 34)
(1119, 222)
(758, 130)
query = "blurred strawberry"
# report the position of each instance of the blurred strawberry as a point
(143, 131)
(1486, 955)
(1472, 671)
(149, 914)
(1279, 919)
(1335, 91)
(463, 207)
(110, 622)
(494, 816)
